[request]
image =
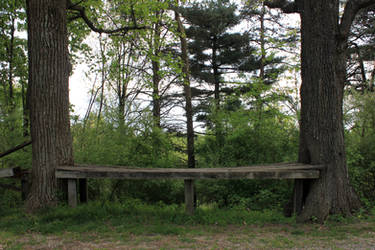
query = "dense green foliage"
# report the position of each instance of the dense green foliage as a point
(151, 147)
(360, 145)
(13, 77)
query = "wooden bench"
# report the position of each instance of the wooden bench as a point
(17, 173)
(295, 171)
(10, 172)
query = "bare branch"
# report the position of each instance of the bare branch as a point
(284, 5)
(352, 7)
(82, 14)
(15, 149)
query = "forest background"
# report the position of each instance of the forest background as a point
(244, 72)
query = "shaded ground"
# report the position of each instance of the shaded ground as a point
(360, 235)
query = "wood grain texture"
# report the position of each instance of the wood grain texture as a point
(6, 172)
(273, 171)
(72, 192)
(15, 172)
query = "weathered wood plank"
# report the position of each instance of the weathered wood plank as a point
(72, 192)
(189, 196)
(278, 166)
(7, 172)
(296, 174)
(275, 171)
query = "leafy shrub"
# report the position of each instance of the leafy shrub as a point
(148, 147)
(248, 140)
(360, 146)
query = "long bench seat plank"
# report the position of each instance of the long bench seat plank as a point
(272, 171)
(10, 172)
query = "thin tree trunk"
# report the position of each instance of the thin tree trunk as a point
(10, 62)
(103, 78)
(121, 88)
(217, 122)
(190, 196)
(124, 79)
(259, 101)
(25, 109)
(262, 43)
(187, 91)
(156, 74)
(93, 95)
(155, 93)
(364, 86)
(49, 70)
(216, 75)
(372, 79)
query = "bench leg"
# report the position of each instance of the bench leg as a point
(72, 192)
(189, 196)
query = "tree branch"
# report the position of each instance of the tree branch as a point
(15, 149)
(284, 5)
(352, 7)
(82, 14)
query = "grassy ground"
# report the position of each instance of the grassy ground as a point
(137, 226)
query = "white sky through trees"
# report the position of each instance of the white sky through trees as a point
(80, 84)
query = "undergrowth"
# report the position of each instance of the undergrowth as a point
(136, 217)
(131, 216)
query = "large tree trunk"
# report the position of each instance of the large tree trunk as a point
(322, 131)
(49, 69)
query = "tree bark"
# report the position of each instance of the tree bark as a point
(321, 128)
(155, 45)
(102, 47)
(262, 43)
(190, 195)
(25, 109)
(10, 61)
(187, 92)
(216, 74)
(49, 69)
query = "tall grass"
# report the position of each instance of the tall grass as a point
(132, 216)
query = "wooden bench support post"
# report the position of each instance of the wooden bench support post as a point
(298, 196)
(72, 192)
(83, 190)
(189, 196)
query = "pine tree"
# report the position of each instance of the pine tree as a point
(218, 55)
(361, 66)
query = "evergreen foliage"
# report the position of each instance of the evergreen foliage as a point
(218, 55)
